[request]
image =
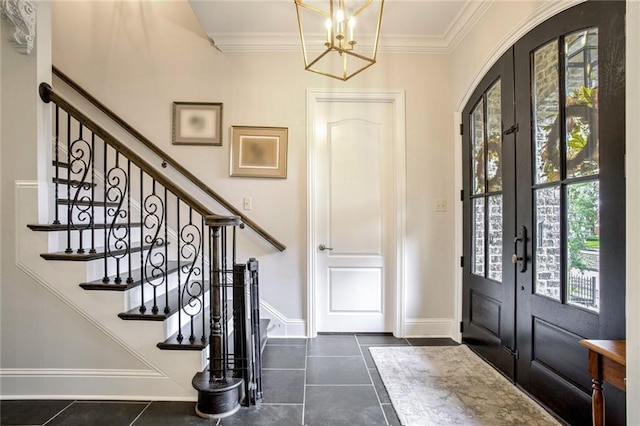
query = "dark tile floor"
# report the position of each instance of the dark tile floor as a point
(328, 380)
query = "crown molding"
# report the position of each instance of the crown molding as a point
(462, 24)
(388, 43)
(22, 15)
(290, 43)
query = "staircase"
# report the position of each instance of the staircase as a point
(172, 260)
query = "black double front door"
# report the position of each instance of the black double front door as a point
(544, 221)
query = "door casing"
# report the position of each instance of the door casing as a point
(396, 260)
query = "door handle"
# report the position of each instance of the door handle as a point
(521, 260)
(322, 247)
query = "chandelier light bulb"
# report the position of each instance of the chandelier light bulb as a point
(352, 24)
(329, 25)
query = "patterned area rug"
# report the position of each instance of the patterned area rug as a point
(451, 385)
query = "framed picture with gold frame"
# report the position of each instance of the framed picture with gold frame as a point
(197, 123)
(259, 151)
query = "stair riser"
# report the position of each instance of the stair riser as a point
(59, 240)
(96, 268)
(171, 324)
(133, 296)
(83, 214)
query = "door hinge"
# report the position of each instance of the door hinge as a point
(461, 129)
(462, 195)
(511, 351)
(461, 327)
(462, 261)
(511, 129)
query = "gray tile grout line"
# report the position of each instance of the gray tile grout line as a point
(361, 385)
(384, 415)
(141, 412)
(304, 387)
(60, 412)
(334, 356)
(284, 369)
(291, 404)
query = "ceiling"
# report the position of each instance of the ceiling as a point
(408, 26)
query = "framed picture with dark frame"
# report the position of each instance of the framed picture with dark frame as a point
(197, 123)
(259, 151)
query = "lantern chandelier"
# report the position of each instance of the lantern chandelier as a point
(341, 41)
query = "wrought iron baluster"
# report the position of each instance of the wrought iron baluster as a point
(69, 207)
(78, 158)
(129, 278)
(117, 191)
(56, 220)
(192, 295)
(105, 279)
(93, 193)
(223, 301)
(166, 256)
(180, 286)
(233, 245)
(202, 242)
(143, 274)
(153, 207)
(80, 162)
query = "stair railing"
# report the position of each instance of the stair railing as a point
(201, 257)
(168, 160)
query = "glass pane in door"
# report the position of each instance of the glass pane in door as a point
(477, 143)
(495, 238)
(478, 233)
(546, 104)
(583, 245)
(547, 246)
(494, 138)
(581, 88)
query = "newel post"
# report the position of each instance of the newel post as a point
(219, 393)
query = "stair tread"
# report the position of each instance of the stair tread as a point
(173, 343)
(136, 276)
(61, 164)
(99, 254)
(148, 315)
(52, 227)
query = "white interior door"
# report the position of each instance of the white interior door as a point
(354, 268)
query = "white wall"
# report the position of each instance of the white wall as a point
(139, 57)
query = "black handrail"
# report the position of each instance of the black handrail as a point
(166, 158)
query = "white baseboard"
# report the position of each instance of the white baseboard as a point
(94, 384)
(280, 325)
(429, 327)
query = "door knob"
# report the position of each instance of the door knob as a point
(322, 247)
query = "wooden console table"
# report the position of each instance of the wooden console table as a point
(607, 362)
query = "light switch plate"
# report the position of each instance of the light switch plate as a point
(246, 203)
(441, 205)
